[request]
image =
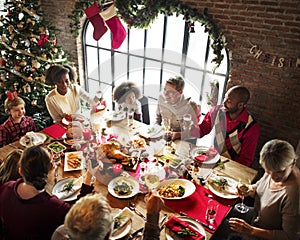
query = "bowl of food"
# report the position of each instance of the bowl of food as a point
(123, 187)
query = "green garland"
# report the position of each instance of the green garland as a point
(141, 13)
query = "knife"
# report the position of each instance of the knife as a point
(202, 223)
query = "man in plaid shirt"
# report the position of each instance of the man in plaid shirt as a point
(236, 131)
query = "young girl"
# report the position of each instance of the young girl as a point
(10, 166)
(17, 125)
(126, 95)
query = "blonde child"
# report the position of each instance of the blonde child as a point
(17, 124)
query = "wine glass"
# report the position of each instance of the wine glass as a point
(151, 180)
(166, 123)
(186, 122)
(243, 189)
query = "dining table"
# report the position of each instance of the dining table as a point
(124, 130)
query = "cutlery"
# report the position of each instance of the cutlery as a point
(14, 146)
(137, 233)
(162, 220)
(202, 223)
(133, 208)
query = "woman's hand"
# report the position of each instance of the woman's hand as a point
(240, 225)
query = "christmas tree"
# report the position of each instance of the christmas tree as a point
(28, 47)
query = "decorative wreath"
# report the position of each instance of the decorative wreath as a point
(141, 13)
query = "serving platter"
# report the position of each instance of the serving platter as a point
(73, 161)
(131, 187)
(189, 188)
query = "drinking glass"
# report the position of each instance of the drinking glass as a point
(77, 130)
(211, 211)
(243, 189)
(186, 122)
(166, 123)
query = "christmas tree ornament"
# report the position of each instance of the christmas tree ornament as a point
(30, 79)
(14, 44)
(43, 40)
(23, 63)
(2, 62)
(116, 27)
(10, 29)
(44, 55)
(26, 88)
(17, 68)
(21, 15)
(55, 50)
(92, 14)
(35, 64)
(3, 38)
(34, 102)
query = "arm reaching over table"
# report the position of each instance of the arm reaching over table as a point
(154, 204)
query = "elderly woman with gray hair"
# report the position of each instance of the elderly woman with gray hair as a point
(277, 197)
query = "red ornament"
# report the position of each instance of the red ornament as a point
(43, 40)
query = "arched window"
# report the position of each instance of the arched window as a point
(149, 57)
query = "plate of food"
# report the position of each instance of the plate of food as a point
(122, 223)
(117, 116)
(205, 155)
(173, 189)
(32, 139)
(73, 161)
(224, 187)
(184, 233)
(123, 187)
(174, 161)
(154, 131)
(67, 189)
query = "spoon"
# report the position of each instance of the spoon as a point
(133, 208)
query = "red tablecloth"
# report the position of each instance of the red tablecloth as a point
(195, 206)
(55, 131)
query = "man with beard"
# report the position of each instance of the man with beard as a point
(236, 130)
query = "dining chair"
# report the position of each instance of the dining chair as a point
(145, 109)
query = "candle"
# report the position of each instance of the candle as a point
(117, 168)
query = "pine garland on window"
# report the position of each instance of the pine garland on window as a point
(141, 13)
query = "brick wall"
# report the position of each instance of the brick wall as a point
(274, 25)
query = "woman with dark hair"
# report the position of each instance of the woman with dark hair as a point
(10, 166)
(65, 98)
(27, 211)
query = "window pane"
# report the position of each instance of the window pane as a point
(136, 39)
(155, 33)
(89, 32)
(92, 62)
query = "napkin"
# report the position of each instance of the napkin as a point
(122, 218)
(34, 138)
(178, 226)
(196, 204)
(55, 131)
(201, 158)
(65, 194)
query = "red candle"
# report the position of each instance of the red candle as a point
(117, 168)
(87, 133)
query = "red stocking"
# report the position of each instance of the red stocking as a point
(117, 29)
(93, 15)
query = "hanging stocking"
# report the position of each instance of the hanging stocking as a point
(117, 29)
(93, 15)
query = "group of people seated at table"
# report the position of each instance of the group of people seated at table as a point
(276, 193)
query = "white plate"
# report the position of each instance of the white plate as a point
(188, 185)
(59, 186)
(194, 153)
(117, 116)
(42, 136)
(230, 193)
(197, 226)
(125, 229)
(68, 155)
(154, 131)
(132, 182)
